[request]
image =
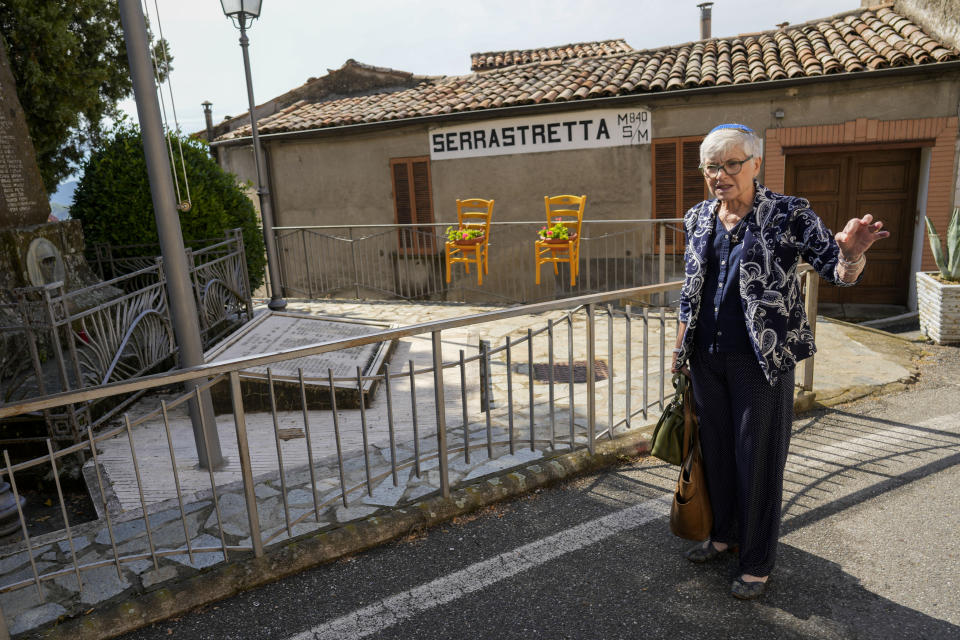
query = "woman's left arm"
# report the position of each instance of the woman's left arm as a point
(839, 258)
(857, 236)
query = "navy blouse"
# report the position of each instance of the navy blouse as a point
(723, 324)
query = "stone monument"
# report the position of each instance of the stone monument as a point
(33, 250)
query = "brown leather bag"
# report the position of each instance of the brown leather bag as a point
(690, 515)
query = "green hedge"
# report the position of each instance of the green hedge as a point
(113, 202)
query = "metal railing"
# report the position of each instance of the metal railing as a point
(466, 408)
(532, 412)
(407, 261)
(53, 339)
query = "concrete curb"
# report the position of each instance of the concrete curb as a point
(311, 550)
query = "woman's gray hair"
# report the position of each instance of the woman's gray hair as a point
(720, 142)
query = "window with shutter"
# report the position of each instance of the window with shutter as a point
(677, 182)
(413, 204)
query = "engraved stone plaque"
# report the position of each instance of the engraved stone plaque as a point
(23, 199)
(278, 331)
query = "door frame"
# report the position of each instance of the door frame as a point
(935, 183)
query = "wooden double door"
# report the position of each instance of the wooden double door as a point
(844, 185)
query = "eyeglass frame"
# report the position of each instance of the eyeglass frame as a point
(704, 168)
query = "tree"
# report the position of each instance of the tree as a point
(69, 61)
(114, 205)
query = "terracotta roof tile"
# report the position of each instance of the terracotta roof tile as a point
(500, 59)
(861, 40)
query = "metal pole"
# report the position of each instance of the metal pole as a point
(591, 381)
(266, 211)
(441, 414)
(183, 308)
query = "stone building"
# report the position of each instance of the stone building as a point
(858, 112)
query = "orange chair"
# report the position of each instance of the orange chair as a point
(472, 213)
(567, 210)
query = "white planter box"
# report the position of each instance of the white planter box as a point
(939, 305)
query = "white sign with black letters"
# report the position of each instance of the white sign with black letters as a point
(547, 132)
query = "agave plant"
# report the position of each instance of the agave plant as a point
(949, 262)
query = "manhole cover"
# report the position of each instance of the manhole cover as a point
(562, 371)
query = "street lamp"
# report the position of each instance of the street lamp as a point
(243, 13)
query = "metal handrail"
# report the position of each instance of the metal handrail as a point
(454, 223)
(237, 364)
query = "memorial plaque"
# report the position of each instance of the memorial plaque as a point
(23, 199)
(277, 331)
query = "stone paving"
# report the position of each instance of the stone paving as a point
(152, 449)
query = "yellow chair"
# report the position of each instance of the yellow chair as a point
(472, 213)
(567, 210)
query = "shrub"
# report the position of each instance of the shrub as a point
(114, 205)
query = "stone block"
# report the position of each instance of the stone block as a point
(233, 512)
(99, 584)
(157, 576)
(36, 617)
(201, 560)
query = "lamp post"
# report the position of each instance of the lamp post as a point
(243, 13)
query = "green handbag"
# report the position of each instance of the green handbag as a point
(667, 440)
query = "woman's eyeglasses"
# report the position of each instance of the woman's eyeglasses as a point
(730, 167)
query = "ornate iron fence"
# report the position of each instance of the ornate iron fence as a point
(54, 340)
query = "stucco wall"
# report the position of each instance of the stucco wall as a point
(616, 181)
(340, 180)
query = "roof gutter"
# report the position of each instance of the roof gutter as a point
(570, 105)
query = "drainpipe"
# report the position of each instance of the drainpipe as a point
(705, 19)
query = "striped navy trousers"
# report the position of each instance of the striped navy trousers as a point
(745, 428)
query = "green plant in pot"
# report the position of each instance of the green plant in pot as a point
(557, 231)
(948, 262)
(938, 293)
(466, 235)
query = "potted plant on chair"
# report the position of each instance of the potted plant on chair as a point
(938, 294)
(557, 233)
(464, 236)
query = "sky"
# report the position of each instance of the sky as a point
(297, 39)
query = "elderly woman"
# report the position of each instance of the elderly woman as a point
(742, 330)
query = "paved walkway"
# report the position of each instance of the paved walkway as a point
(152, 449)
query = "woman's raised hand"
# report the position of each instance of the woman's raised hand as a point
(858, 235)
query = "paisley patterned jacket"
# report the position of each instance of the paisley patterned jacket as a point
(782, 231)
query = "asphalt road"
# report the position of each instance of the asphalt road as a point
(869, 549)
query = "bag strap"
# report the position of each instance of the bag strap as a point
(691, 437)
(680, 384)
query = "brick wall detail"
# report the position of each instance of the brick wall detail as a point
(938, 133)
